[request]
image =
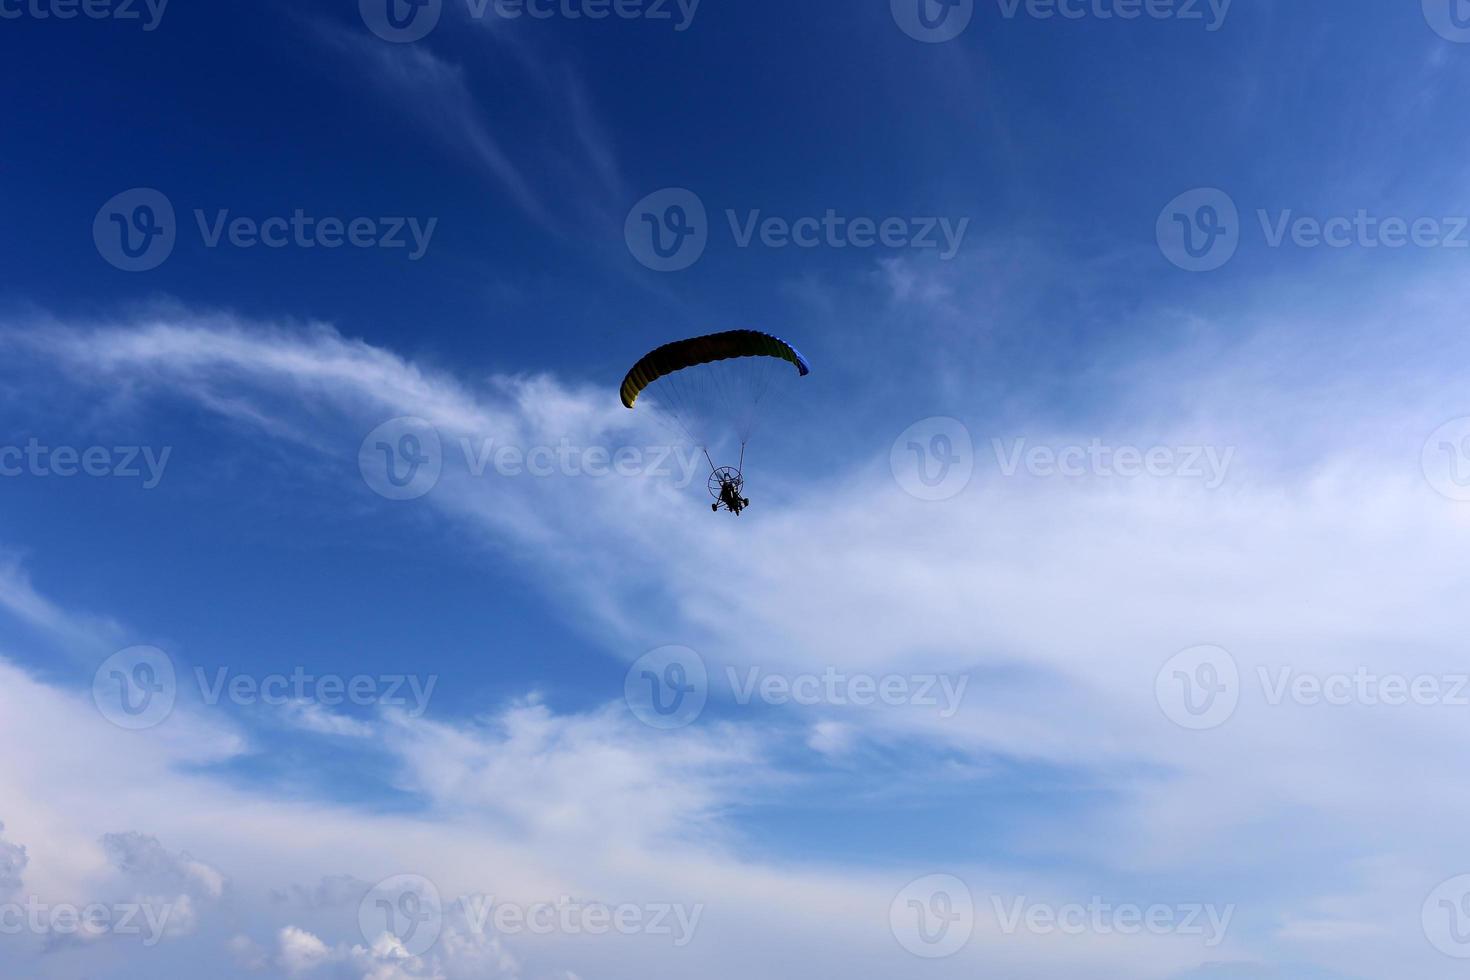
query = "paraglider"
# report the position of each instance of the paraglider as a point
(714, 384)
(725, 484)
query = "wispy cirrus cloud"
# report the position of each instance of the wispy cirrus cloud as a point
(1067, 596)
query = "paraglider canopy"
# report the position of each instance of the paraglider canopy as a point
(714, 385)
(706, 350)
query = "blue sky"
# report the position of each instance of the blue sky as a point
(1182, 296)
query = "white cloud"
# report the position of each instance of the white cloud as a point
(13, 861)
(1065, 596)
(300, 951)
(144, 858)
(311, 716)
(831, 737)
(247, 953)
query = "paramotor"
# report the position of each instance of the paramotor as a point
(712, 385)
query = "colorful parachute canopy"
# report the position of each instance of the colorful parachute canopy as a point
(678, 356)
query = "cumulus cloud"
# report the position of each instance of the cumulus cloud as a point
(332, 891)
(143, 858)
(300, 951)
(456, 957)
(13, 861)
